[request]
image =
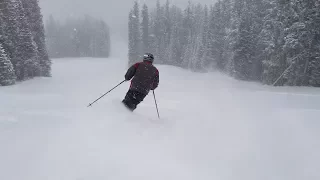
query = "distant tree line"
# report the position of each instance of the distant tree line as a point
(77, 37)
(275, 42)
(23, 53)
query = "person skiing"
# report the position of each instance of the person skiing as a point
(145, 77)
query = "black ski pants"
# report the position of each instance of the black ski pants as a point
(133, 98)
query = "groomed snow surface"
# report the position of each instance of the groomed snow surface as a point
(211, 128)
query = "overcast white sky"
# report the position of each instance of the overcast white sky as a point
(114, 12)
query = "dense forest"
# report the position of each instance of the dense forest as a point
(276, 42)
(77, 37)
(23, 53)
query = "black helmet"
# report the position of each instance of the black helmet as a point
(148, 57)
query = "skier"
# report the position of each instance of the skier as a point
(145, 77)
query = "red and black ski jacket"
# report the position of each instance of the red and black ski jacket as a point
(144, 75)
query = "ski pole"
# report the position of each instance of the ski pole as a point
(106, 93)
(155, 101)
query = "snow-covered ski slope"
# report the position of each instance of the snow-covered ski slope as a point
(212, 128)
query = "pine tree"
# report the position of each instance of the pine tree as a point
(2, 24)
(293, 49)
(244, 48)
(205, 30)
(218, 37)
(273, 41)
(208, 61)
(197, 45)
(301, 43)
(281, 16)
(7, 74)
(135, 35)
(174, 49)
(270, 38)
(159, 32)
(175, 52)
(35, 22)
(145, 29)
(230, 31)
(212, 46)
(23, 48)
(187, 36)
(247, 55)
(259, 12)
(167, 30)
(131, 52)
(311, 13)
(167, 23)
(4, 38)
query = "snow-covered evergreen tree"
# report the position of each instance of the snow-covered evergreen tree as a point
(207, 60)
(197, 45)
(174, 48)
(230, 33)
(292, 48)
(175, 52)
(2, 24)
(187, 36)
(281, 16)
(211, 60)
(203, 54)
(167, 23)
(145, 29)
(219, 37)
(134, 35)
(35, 22)
(23, 49)
(311, 13)
(244, 47)
(272, 41)
(259, 10)
(7, 74)
(131, 49)
(247, 50)
(4, 37)
(159, 33)
(301, 45)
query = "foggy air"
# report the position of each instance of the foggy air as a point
(140, 90)
(114, 12)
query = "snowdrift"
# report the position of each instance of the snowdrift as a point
(212, 127)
